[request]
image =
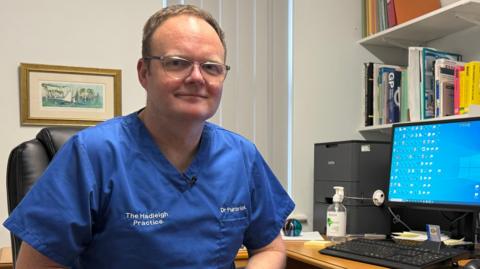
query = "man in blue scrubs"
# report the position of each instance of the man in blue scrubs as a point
(159, 188)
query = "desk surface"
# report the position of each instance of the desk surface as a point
(310, 255)
(300, 256)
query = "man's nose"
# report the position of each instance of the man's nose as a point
(196, 73)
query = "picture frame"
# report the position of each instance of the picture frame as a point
(68, 95)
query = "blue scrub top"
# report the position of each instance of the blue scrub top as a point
(110, 199)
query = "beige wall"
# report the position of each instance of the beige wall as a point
(326, 85)
(104, 34)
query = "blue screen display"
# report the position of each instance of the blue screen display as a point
(436, 163)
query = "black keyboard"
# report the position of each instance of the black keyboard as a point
(394, 255)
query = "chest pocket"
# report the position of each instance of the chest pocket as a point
(232, 230)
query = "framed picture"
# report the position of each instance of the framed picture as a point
(66, 95)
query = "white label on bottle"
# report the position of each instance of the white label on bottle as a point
(336, 223)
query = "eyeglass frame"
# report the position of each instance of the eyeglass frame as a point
(162, 58)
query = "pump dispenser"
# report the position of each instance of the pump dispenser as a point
(337, 217)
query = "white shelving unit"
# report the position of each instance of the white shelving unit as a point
(420, 31)
(385, 128)
(439, 23)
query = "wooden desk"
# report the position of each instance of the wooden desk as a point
(298, 257)
(303, 257)
(6, 258)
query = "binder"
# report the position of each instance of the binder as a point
(406, 10)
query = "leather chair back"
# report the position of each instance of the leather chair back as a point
(26, 164)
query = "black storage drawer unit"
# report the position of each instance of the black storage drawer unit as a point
(361, 167)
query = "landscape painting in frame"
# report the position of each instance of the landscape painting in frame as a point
(65, 95)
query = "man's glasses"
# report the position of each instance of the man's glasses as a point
(180, 68)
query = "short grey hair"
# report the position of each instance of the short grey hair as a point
(175, 10)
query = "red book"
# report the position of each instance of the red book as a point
(456, 88)
(391, 17)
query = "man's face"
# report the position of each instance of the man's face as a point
(192, 98)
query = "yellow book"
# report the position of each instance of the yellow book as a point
(468, 86)
(475, 97)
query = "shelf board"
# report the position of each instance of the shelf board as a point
(444, 21)
(386, 128)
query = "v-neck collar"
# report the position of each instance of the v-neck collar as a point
(181, 181)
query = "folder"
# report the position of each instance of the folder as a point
(408, 9)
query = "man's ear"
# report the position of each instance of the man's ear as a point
(142, 72)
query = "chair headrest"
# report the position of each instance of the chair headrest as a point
(53, 138)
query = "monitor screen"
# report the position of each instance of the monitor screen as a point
(436, 164)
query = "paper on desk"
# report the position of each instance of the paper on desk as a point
(422, 236)
(415, 236)
(304, 236)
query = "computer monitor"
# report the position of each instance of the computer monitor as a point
(436, 165)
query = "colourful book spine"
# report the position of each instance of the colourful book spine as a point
(456, 89)
(468, 86)
(393, 96)
(392, 19)
(404, 112)
(462, 93)
(475, 95)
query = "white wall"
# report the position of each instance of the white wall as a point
(326, 85)
(104, 34)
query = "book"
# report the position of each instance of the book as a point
(414, 81)
(462, 94)
(380, 94)
(475, 83)
(368, 90)
(364, 18)
(406, 10)
(393, 96)
(468, 83)
(391, 18)
(427, 87)
(382, 15)
(446, 99)
(444, 70)
(373, 16)
(456, 88)
(404, 110)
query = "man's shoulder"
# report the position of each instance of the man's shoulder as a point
(111, 130)
(225, 136)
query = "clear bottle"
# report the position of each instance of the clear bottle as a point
(337, 217)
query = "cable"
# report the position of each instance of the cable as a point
(396, 219)
(458, 218)
(445, 216)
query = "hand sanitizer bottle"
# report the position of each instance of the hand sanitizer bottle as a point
(337, 217)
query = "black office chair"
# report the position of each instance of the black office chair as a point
(27, 162)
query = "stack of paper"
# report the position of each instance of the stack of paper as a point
(414, 236)
(304, 236)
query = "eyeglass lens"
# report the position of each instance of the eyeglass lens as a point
(180, 68)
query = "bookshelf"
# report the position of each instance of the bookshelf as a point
(439, 23)
(394, 42)
(386, 128)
